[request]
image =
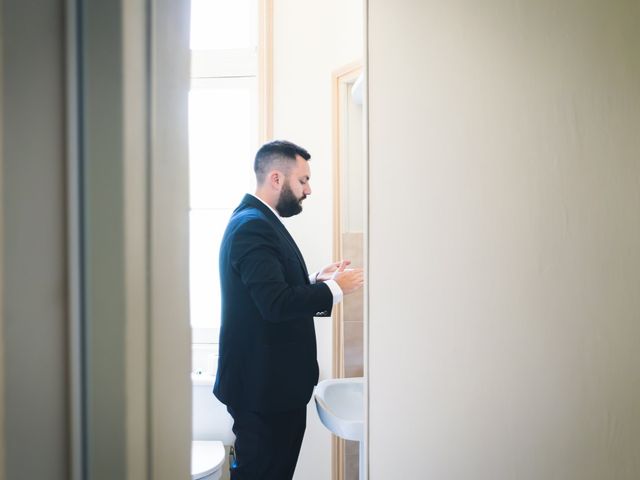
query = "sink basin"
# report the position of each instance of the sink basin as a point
(340, 405)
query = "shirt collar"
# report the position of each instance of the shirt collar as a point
(268, 206)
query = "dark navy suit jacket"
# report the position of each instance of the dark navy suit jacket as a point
(268, 360)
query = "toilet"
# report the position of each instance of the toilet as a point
(212, 429)
(207, 459)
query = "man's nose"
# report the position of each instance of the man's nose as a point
(307, 189)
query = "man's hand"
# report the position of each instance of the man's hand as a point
(349, 280)
(327, 272)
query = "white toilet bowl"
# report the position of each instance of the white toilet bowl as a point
(207, 458)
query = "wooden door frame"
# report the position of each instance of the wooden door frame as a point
(342, 76)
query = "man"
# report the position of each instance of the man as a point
(267, 366)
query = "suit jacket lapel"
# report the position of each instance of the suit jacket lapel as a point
(251, 201)
(292, 242)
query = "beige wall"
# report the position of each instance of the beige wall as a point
(504, 239)
(33, 274)
(169, 332)
(150, 408)
(311, 40)
(2, 407)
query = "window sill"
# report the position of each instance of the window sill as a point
(204, 379)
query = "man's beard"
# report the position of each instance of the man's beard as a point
(288, 204)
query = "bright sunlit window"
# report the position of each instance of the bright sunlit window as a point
(223, 133)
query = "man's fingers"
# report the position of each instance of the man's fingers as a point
(351, 280)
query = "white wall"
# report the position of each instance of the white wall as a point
(505, 239)
(311, 40)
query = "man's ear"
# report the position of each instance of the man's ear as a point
(276, 179)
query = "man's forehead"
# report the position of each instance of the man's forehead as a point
(302, 167)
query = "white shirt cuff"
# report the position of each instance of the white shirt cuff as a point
(313, 278)
(336, 291)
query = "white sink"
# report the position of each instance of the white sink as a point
(340, 404)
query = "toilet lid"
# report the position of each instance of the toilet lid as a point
(206, 458)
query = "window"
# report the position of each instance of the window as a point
(223, 137)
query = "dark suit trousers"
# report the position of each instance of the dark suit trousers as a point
(267, 444)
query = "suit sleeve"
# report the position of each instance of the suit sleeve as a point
(255, 256)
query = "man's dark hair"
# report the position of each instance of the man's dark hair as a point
(279, 154)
